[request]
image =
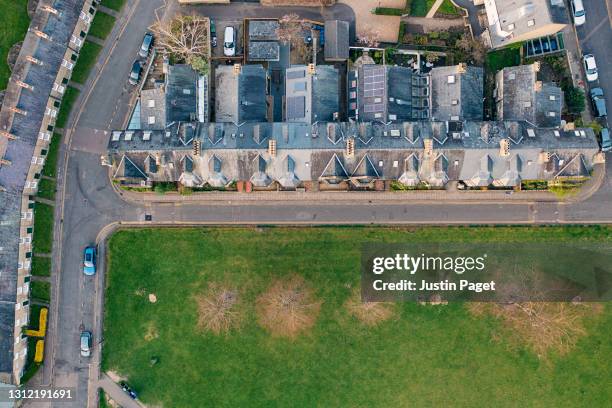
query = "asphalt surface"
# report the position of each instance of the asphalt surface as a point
(595, 37)
(90, 203)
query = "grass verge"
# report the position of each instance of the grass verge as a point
(68, 101)
(41, 266)
(46, 189)
(50, 166)
(102, 25)
(87, 59)
(40, 291)
(169, 361)
(43, 228)
(116, 5)
(448, 8)
(15, 22)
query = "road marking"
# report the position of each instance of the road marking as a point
(597, 27)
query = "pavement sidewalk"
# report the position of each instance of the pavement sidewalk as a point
(115, 392)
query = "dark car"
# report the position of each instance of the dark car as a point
(135, 73)
(599, 102)
(606, 142)
(147, 42)
(213, 34)
(126, 388)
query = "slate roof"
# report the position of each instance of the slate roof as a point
(520, 96)
(181, 93)
(312, 98)
(457, 92)
(240, 97)
(263, 30)
(336, 40)
(263, 51)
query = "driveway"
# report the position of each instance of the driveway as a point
(473, 12)
(386, 27)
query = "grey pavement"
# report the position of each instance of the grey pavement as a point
(473, 11)
(87, 203)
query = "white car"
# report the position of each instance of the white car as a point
(578, 12)
(229, 42)
(590, 67)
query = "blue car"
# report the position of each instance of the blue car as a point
(89, 261)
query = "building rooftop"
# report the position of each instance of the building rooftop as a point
(457, 92)
(263, 30)
(312, 97)
(263, 51)
(240, 94)
(520, 96)
(336, 40)
(181, 93)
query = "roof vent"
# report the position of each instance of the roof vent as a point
(504, 147)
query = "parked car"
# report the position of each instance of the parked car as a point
(135, 73)
(578, 12)
(590, 67)
(229, 42)
(89, 261)
(145, 47)
(599, 102)
(86, 340)
(126, 388)
(606, 142)
(213, 34)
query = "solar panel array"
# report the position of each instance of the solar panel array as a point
(373, 88)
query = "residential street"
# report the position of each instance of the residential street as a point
(90, 203)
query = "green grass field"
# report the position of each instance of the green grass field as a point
(102, 25)
(43, 228)
(41, 291)
(505, 57)
(424, 356)
(15, 22)
(87, 59)
(68, 101)
(46, 189)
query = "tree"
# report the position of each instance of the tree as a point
(185, 39)
(472, 47)
(574, 98)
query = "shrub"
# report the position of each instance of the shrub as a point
(388, 11)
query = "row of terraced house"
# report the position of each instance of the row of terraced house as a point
(27, 118)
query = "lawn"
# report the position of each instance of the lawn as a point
(419, 8)
(46, 189)
(424, 356)
(449, 9)
(15, 22)
(102, 25)
(87, 59)
(116, 5)
(68, 100)
(505, 57)
(43, 228)
(41, 266)
(40, 291)
(50, 166)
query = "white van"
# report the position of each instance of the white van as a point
(578, 12)
(229, 42)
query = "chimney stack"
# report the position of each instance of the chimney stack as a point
(504, 147)
(24, 85)
(350, 147)
(272, 147)
(544, 157)
(34, 60)
(17, 110)
(8, 135)
(428, 147)
(237, 69)
(41, 34)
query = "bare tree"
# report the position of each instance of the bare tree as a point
(369, 37)
(185, 38)
(290, 28)
(472, 47)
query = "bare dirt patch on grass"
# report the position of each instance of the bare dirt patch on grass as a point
(217, 309)
(544, 327)
(369, 313)
(288, 307)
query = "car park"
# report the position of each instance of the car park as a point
(89, 261)
(229, 42)
(135, 73)
(578, 12)
(606, 142)
(599, 102)
(590, 67)
(145, 47)
(85, 343)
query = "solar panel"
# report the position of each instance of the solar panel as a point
(296, 107)
(300, 73)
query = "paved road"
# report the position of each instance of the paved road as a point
(595, 37)
(90, 203)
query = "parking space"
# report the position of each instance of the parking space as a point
(217, 52)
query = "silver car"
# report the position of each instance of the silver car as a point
(86, 343)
